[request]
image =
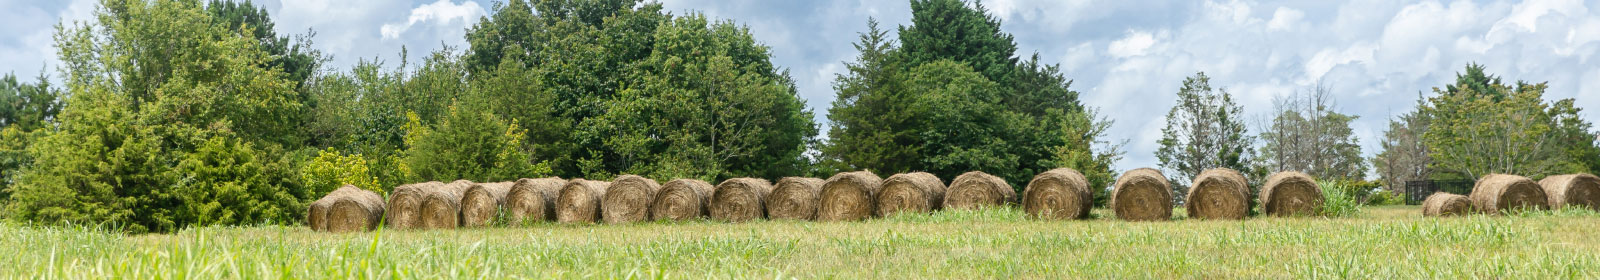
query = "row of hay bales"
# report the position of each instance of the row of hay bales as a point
(1140, 195)
(1495, 194)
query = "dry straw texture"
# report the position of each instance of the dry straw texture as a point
(681, 200)
(1446, 204)
(1142, 195)
(354, 210)
(794, 198)
(848, 196)
(405, 205)
(628, 199)
(1572, 190)
(976, 189)
(317, 216)
(740, 199)
(1291, 193)
(579, 201)
(1218, 194)
(532, 200)
(441, 207)
(481, 203)
(1058, 194)
(915, 192)
(1498, 193)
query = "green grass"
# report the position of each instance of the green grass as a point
(1378, 242)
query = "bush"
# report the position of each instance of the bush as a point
(1386, 197)
(1338, 199)
(331, 170)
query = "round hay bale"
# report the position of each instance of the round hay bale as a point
(1446, 204)
(317, 215)
(628, 199)
(794, 198)
(916, 192)
(848, 196)
(976, 189)
(1498, 193)
(681, 200)
(441, 206)
(532, 200)
(1572, 190)
(481, 202)
(1059, 194)
(354, 210)
(1291, 193)
(740, 199)
(579, 201)
(1142, 195)
(1218, 194)
(405, 205)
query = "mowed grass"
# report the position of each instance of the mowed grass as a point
(1383, 242)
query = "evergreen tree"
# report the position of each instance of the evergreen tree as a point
(1204, 131)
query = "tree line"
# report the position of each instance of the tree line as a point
(180, 113)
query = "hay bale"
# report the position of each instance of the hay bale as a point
(405, 205)
(317, 214)
(579, 201)
(1446, 204)
(1291, 193)
(848, 196)
(628, 199)
(532, 200)
(1572, 190)
(740, 199)
(918, 192)
(794, 198)
(976, 189)
(354, 209)
(1498, 193)
(1060, 194)
(441, 206)
(1142, 195)
(1218, 194)
(681, 200)
(481, 203)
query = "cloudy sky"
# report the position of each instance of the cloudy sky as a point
(1127, 58)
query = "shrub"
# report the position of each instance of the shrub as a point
(1339, 199)
(331, 170)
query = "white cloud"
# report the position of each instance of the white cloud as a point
(441, 13)
(1285, 18)
(1136, 43)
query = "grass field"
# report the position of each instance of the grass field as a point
(1380, 242)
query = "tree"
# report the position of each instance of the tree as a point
(1405, 155)
(706, 104)
(1204, 130)
(1480, 126)
(468, 144)
(1308, 135)
(27, 112)
(162, 99)
(897, 111)
(869, 118)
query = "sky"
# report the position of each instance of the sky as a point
(1126, 58)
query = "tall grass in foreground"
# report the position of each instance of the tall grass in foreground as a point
(1338, 200)
(1381, 242)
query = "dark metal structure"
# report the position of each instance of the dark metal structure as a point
(1418, 190)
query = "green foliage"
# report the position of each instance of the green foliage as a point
(1309, 135)
(331, 170)
(468, 144)
(27, 112)
(1405, 155)
(1339, 199)
(953, 98)
(1386, 197)
(1204, 130)
(706, 105)
(170, 123)
(225, 182)
(1480, 126)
